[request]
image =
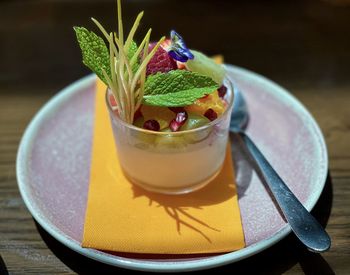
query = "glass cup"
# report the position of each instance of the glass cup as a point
(172, 162)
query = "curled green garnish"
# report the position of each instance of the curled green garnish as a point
(121, 67)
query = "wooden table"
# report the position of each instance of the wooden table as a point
(302, 45)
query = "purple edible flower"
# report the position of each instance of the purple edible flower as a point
(178, 49)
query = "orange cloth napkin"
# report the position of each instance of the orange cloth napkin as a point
(125, 218)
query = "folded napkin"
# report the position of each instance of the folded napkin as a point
(125, 218)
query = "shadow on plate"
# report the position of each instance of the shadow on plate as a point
(275, 260)
(242, 165)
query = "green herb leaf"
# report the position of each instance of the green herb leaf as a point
(131, 52)
(177, 88)
(94, 51)
(206, 66)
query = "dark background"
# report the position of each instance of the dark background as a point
(302, 45)
(292, 42)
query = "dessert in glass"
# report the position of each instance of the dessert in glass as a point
(170, 107)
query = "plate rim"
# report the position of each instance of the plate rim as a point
(138, 264)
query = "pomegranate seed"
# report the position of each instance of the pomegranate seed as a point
(222, 91)
(174, 126)
(178, 121)
(211, 114)
(181, 117)
(152, 125)
(177, 109)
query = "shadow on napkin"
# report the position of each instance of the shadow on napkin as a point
(215, 192)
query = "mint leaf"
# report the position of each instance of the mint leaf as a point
(131, 52)
(206, 66)
(177, 88)
(94, 51)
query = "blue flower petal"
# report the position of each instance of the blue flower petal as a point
(178, 49)
(174, 55)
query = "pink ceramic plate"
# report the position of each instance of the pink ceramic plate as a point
(54, 158)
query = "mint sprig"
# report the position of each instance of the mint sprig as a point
(94, 51)
(177, 88)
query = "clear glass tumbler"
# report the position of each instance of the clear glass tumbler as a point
(172, 162)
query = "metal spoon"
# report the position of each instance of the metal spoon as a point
(302, 223)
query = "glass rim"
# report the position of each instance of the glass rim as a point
(201, 128)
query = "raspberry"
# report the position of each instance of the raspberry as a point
(160, 62)
(152, 125)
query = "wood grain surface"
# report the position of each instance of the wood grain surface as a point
(302, 45)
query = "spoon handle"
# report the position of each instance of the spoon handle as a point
(303, 224)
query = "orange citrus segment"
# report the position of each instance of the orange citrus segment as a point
(211, 101)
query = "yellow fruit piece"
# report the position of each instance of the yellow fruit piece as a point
(212, 101)
(162, 114)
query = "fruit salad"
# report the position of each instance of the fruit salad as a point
(170, 106)
(179, 117)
